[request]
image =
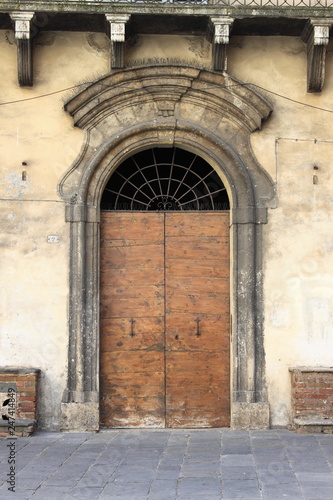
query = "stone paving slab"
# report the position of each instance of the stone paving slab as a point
(155, 464)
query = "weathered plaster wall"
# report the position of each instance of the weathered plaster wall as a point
(35, 273)
(298, 245)
(188, 49)
(299, 267)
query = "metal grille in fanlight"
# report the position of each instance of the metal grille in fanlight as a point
(162, 179)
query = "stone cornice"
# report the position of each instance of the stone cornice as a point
(237, 10)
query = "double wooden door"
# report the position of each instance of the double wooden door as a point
(164, 319)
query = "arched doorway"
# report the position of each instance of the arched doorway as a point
(212, 115)
(164, 317)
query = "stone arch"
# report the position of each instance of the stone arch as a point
(213, 116)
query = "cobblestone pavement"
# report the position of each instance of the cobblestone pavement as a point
(169, 464)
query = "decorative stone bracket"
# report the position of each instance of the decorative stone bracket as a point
(220, 28)
(23, 21)
(316, 37)
(117, 37)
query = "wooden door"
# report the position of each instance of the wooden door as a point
(197, 319)
(132, 379)
(164, 319)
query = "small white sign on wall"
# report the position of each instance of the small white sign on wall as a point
(53, 238)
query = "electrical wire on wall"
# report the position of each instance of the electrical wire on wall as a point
(85, 84)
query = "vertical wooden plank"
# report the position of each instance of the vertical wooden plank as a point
(197, 320)
(132, 376)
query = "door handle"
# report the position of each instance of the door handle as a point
(132, 321)
(197, 320)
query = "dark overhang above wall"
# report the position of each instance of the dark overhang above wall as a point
(196, 25)
(163, 24)
(251, 17)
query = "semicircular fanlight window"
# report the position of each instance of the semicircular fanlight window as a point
(162, 179)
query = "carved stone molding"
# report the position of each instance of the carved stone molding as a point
(220, 27)
(24, 51)
(212, 115)
(316, 37)
(117, 37)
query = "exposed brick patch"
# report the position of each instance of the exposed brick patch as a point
(26, 383)
(312, 398)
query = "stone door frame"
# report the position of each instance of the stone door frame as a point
(213, 119)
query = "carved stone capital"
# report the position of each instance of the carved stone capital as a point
(117, 37)
(316, 37)
(220, 27)
(23, 22)
(117, 26)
